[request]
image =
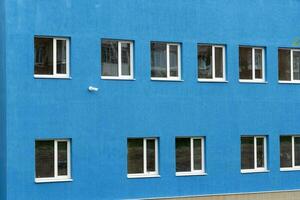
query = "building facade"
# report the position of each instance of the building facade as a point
(137, 99)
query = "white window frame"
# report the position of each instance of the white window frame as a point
(58, 178)
(55, 74)
(120, 76)
(193, 171)
(291, 66)
(254, 79)
(214, 78)
(146, 173)
(170, 78)
(294, 167)
(258, 169)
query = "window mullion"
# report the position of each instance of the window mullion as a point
(213, 62)
(292, 65)
(145, 155)
(119, 58)
(263, 64)
(255, 153)
(293, 151)
(192, 154)
(203, 154)
(179, 61)
(156, 155)
(67, 57)
(223, 63)
(55, 159)
(68, 158)
(168, 61)
(54, 56)
(253, 64)
(265, 153)
(131, 59)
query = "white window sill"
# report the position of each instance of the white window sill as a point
(51, 77)
(250, 171)
(289, 169)
(253, 81)
(117, 78)
(143, 175)
(52, 180)
(211, 81)
(289, 82)
(191, 174)
(166, 79)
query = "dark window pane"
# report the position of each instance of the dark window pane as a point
(247, 152)
(285, 151)
(183, 154)
(174, 60)
(61, 56)
(284, 64)
(219, 62)
(150, 155)
(135, 156)
(62, 158)
(197, 154)
(297, 151)
(258, 63)
(126, 64)
(260, 152)
(43, 56)
(109, 58)
(204, 61)
(44, 159)
(245, 63)
(296, 64)
(158, 60)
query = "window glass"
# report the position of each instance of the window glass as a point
(260, 154)
(197, 154)
(61, 56)
(258, 63)
(62, 158)
(284, 62)
(44, 159)
(109, 58)
(173, 60)
(150, 155)
(43, 52)
(297, 151)
(247, 152)
(219, 62)
(183, 154)
(286, 151)
(245, 63)
(204, 62)
(296, 65)
(158, 60)
(125, 55)
(135, 156)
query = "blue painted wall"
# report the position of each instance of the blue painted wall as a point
(99, 123)
(2, 103)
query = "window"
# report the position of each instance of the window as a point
(252, 64)
(51, 57)
(289, 65)
(117, 59)
(52, 160)
(165, 61)
(142, 157)
(211, 63)
(253, 154)
(290, 152)
(189, 156)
